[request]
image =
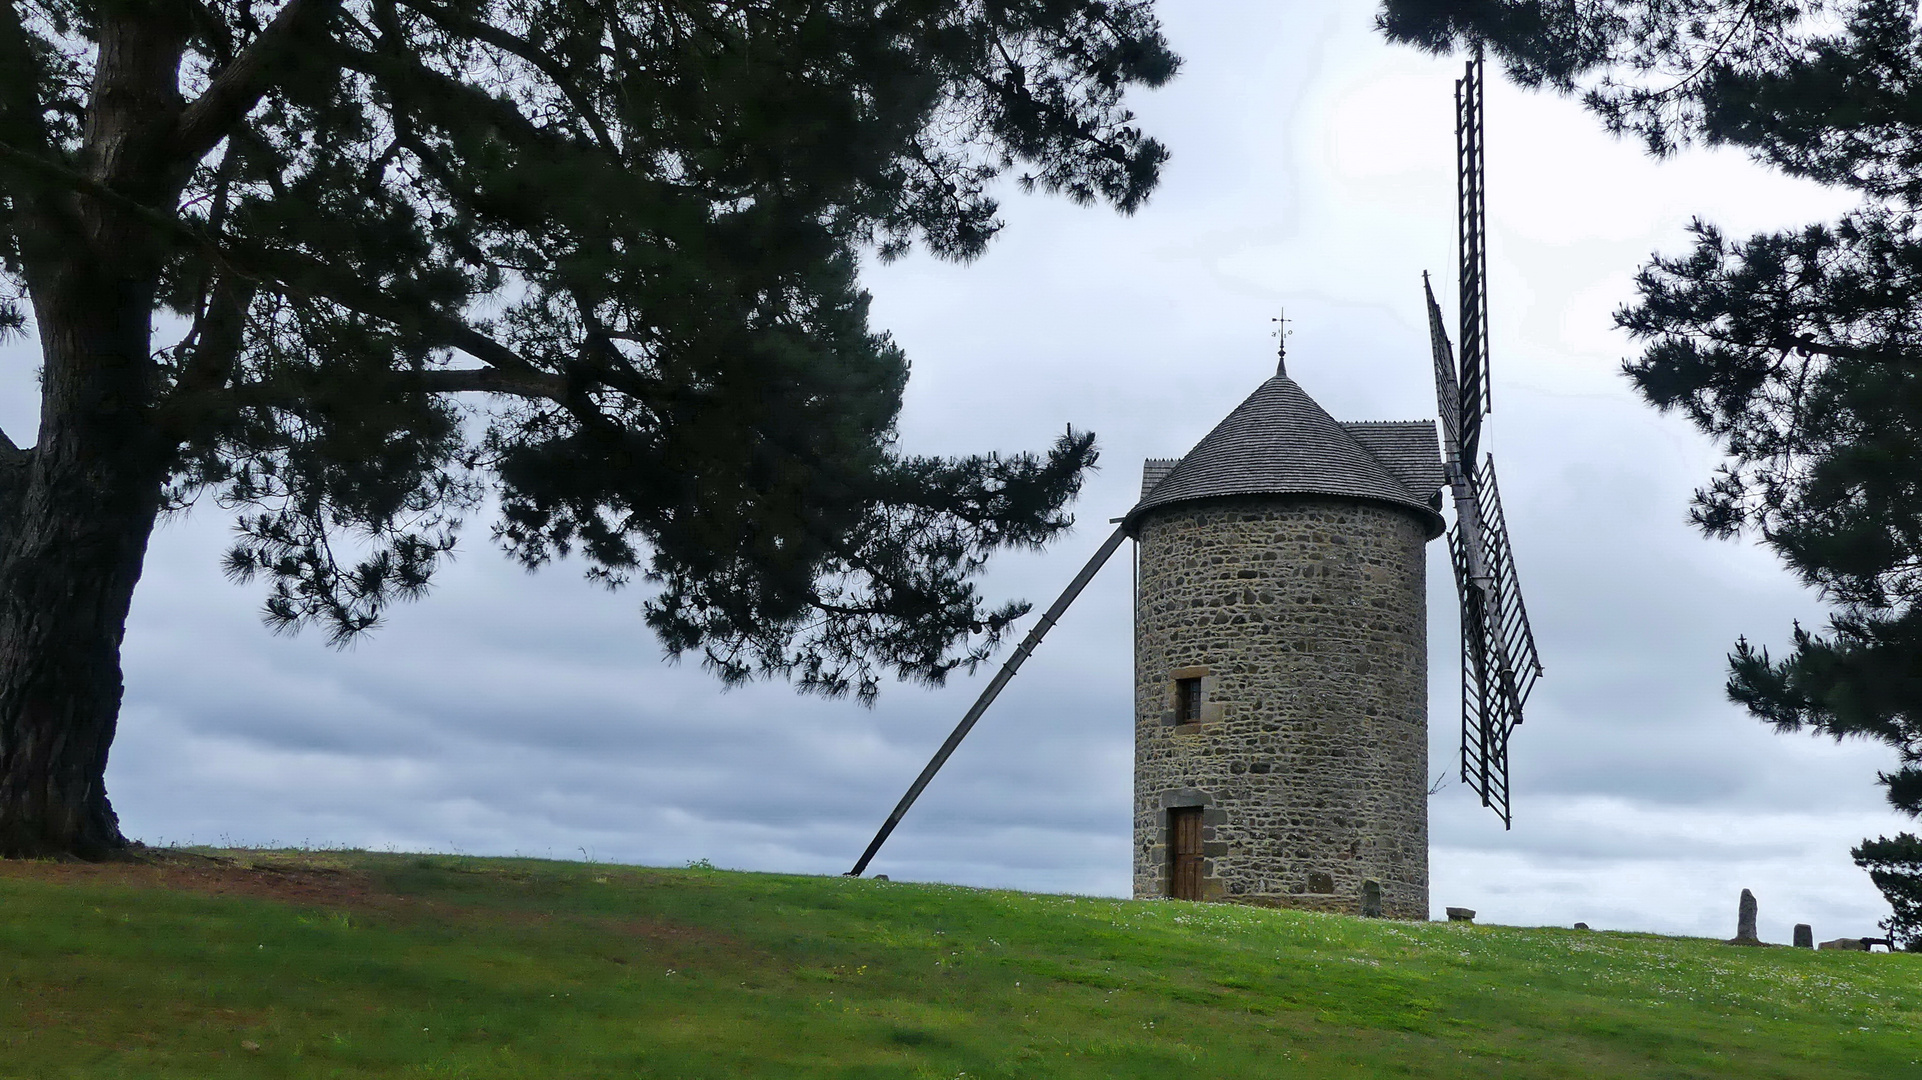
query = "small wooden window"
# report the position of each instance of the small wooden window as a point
(1184, 853)
(1188, 701)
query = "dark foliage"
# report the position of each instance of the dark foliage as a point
(1895, 865)
(1817, 89)
(634, 226)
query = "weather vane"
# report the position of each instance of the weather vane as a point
(1281, 342)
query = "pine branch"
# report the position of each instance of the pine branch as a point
(183, 411)
(1806, 343)
(239, 86)
(537, 384)
(565, 82)
(22, 111)
(217, 335)
(15, 466)
(301, 276)
(23, 120)
(436, 381)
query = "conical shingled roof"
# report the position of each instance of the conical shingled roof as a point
(1280, 442)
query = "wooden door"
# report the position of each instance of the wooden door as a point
(1184, 827)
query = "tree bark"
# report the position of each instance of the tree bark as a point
(75, 533)
(78, 539)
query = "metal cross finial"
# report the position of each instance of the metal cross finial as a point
(1281, 343)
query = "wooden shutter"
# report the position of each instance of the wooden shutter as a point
(1184, 826)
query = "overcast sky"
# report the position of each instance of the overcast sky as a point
(1312, 171)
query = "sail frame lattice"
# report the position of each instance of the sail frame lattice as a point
(1500, 665)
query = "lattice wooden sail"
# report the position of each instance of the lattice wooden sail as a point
(1471, 203)
(1499, 662)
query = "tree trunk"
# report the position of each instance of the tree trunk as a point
(73, 536)
(79, 537)
(77, 540)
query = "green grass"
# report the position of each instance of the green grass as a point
(410, 966)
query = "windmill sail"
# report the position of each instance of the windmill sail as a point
(1517, 665)
(1472, 269)
(1499, 663)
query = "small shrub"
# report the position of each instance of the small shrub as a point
(1896, 868)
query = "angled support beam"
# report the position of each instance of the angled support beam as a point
(1021, 653)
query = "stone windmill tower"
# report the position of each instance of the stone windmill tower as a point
(1281, 660)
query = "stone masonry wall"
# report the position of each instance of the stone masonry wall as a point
(1305, 619)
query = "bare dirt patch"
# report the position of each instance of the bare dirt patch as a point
(307, 878)
(266, 877)
(663, 932)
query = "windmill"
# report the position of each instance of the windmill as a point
(1499, 663)
(1281, 740)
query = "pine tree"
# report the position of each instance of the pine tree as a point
(596, 257)
(1799, 351)
(1896, 868)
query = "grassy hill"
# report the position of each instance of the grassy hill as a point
(270, 964)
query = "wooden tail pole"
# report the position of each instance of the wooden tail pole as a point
(987, 697)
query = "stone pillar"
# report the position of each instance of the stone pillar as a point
(1804, 936)
(1745, 921)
